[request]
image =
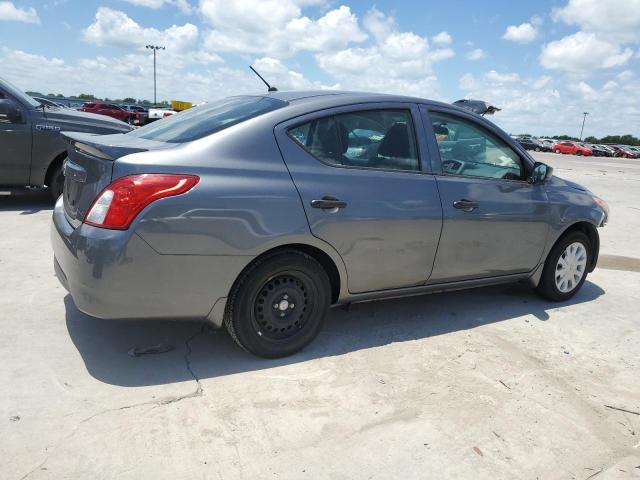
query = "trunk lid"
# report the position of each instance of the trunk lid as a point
(89, 166)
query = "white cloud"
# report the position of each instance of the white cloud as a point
(501, 78)
(523, 33)
(10, 13)
(131, 75)
(116, 28)
(544, 106)
(586, 91)
(183, 5)
(615, 20)
(583, 52)
(476, 54)
(396, 62)
(276, 27)
(443, 38)
(524, 101)
(607, 32)
(278, 75)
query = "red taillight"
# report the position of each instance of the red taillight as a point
(120, 202)
(166, 114)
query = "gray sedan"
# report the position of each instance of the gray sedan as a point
(260, 212)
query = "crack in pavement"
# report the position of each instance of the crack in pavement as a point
(198, 392)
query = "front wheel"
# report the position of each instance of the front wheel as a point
(565, 269)
(558, 150)
(278, 304)
(537, 149)
(578, 153)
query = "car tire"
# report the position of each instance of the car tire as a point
(278, 304)
(537, 149)
(558, 150)
(565, 268)
(578, 153)
(56, 182)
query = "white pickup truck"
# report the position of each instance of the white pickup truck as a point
(156, 113)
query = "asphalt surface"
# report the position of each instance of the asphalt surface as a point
(488, 383)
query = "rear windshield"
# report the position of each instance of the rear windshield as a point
(198, 122)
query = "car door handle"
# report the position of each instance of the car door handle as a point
(328, 202)
(465, 205)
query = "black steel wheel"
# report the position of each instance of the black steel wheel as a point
(278, 304)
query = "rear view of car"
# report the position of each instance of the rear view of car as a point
(118, 189)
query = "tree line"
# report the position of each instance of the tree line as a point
(617, 139)
(89, 96)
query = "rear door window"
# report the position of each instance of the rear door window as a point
(383, 139)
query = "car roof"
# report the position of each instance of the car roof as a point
(338, 97)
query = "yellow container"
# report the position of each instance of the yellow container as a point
(178, 106)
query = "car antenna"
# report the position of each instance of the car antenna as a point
(269, 87)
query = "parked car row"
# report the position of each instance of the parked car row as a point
(131, 114)
(577, 148)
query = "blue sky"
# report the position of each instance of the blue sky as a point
(543, 62)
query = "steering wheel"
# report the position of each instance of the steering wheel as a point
(452, 166)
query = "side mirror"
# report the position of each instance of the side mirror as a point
(9, 111)
(540, 174)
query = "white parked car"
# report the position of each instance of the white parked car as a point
(156, 113)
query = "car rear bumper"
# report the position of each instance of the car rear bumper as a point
(115, 274)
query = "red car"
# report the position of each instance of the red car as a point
(108, 109)
(572, 148)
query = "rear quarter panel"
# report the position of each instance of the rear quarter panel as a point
(244, 204)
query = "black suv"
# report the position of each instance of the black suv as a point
(531, 143)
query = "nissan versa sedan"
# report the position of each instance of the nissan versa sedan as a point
(260, 212)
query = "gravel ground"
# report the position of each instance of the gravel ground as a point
(489, 383)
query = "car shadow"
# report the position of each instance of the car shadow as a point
(27, 202)
(103, 344)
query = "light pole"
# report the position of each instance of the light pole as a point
(154, 48)
(583, 120)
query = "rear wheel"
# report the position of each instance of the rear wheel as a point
(558, 150)
(565, 269)
(578, 153)
(56, 182)
(537, 149)
(279, 304)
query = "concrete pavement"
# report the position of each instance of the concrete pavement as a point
(489, 383)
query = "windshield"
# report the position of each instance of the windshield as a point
(198, 122)
(18, 94)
